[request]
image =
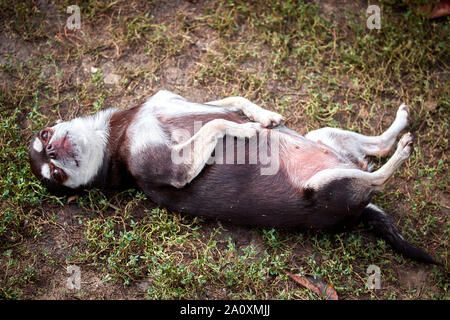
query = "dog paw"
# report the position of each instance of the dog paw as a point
(244, 130)
(403, 108)
(405, 145)
(403, 113)
(268, 119)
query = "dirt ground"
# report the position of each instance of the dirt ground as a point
(204, 50)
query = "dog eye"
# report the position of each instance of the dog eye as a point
(45, 135)
(58, 175)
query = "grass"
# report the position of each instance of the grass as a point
(316, 67)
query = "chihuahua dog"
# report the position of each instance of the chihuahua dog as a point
(228, 159)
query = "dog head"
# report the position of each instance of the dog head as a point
(69, 154)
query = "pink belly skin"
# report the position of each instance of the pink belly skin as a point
(302, 158)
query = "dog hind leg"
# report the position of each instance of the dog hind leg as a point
(371, 180)
(359, 146)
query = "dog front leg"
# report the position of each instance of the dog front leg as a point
(252, 111)
(193, 154)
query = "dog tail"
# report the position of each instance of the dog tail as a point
(384, 227)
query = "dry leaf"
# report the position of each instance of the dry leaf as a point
(316, 285)
(72, 198)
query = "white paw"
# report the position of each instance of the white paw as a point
(268, 119)
(405, 145)
(244, 130)
(403, 114)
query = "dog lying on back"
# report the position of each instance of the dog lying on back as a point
(211, 160)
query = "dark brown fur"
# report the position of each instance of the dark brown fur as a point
(239, 193)
(115, 173)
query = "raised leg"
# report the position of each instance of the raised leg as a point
(192, 155)
(254, 112)
(370, 180)
(358, 145)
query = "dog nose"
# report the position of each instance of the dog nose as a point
(51, 151)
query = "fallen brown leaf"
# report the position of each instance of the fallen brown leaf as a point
(72, 198)
(316, 285)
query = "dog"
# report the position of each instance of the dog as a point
(228, 159)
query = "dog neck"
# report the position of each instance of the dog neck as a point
(113, 171)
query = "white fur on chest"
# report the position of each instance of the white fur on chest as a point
(145, 130)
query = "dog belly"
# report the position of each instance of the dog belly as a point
(301, 159)
(238, 194)
(241, 194)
